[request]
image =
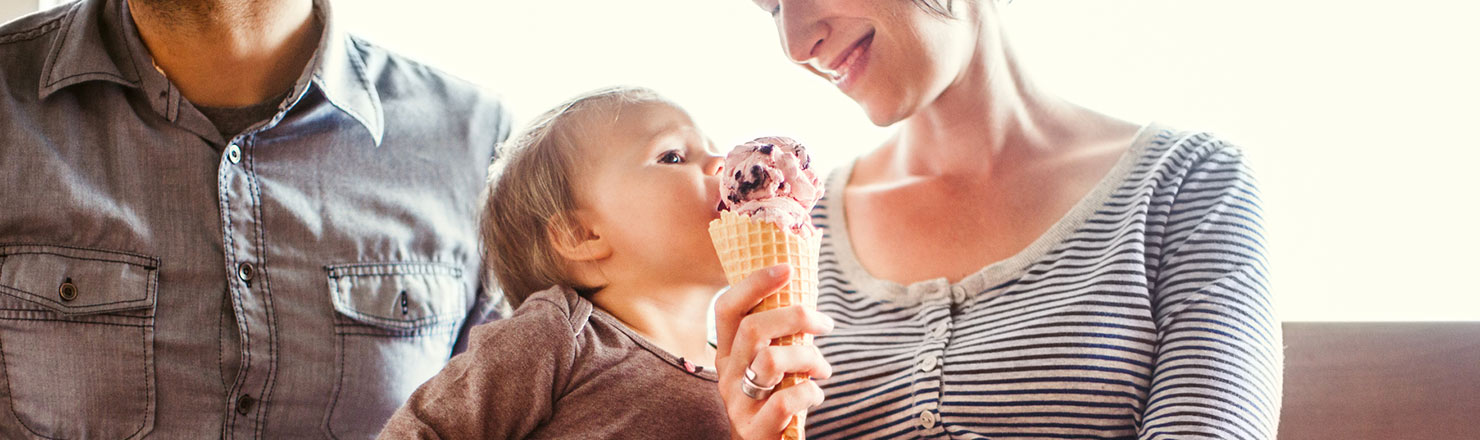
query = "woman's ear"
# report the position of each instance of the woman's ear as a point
(574, 238)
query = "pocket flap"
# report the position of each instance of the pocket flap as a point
(76, 281)
(400, 296)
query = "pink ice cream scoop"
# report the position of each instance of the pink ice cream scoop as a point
(770, 179)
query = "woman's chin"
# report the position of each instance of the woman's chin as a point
(883, 115)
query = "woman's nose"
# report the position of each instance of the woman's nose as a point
(801, 34)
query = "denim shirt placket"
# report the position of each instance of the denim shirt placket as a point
(244, 241)
(243, 238)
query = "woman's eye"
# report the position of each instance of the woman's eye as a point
(771, 8)
(670, 157)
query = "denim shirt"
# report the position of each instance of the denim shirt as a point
(298, 280)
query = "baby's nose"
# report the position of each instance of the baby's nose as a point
(713, 164)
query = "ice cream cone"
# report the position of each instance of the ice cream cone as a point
(746, 245)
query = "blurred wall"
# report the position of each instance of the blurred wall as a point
(10, 9)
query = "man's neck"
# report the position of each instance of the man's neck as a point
(229, 53)
(671, 317)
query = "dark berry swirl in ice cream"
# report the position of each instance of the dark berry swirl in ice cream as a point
(771, 179)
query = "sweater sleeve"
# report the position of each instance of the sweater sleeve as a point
(1218, 368)
(503, 387)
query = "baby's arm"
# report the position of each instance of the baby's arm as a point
(501, 388)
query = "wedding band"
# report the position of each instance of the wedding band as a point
(749, 387)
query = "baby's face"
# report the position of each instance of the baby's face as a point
(649, 182)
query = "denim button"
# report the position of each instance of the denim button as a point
(244, 404)
(244, 272)
(234, 153)
(67, 291)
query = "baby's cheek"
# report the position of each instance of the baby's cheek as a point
(676, 215)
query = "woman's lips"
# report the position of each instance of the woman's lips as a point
(853, 63)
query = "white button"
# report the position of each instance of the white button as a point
(928, 363)
(940, 330)
(233, 153)
(927, 419)
(958, 293)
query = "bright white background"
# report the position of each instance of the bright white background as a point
(1360, 115)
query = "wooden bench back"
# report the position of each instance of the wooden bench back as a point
(1379, 380)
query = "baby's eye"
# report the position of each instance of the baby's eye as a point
(671, 157)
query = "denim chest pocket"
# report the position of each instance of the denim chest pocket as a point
(395, 327)
(76, 342)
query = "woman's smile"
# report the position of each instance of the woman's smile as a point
(851, 65)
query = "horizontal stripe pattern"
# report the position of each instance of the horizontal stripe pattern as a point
(1149, 318)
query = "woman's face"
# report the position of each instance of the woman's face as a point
(891, 56)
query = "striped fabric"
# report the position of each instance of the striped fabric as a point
(1143, 313)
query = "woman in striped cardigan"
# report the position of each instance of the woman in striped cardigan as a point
(1008, 264)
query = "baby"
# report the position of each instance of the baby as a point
(596, 230)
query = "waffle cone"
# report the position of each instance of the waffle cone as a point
(745, 246)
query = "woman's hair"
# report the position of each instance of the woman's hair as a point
(937, 7)
(531, 194)
(943, 8)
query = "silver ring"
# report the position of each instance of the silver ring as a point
(749, 387)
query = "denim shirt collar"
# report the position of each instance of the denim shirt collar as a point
(342, 74)
(80, 53)
(97, 41)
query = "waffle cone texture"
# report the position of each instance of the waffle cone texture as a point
(745, 246)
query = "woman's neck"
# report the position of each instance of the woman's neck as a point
(672, 317)
(991, 114)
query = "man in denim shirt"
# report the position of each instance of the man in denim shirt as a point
(227, 218)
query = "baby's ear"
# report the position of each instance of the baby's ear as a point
(574, 240)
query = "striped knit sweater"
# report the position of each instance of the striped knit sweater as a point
(1144, 313)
